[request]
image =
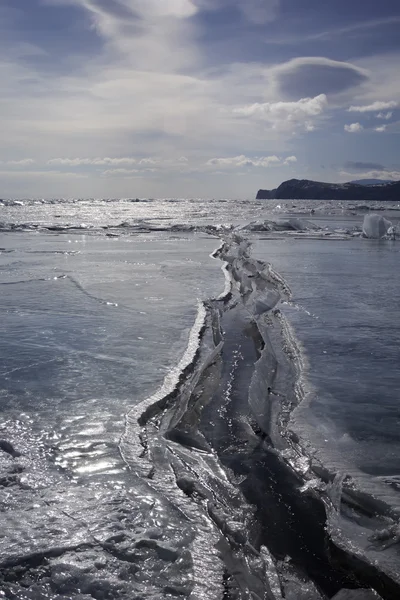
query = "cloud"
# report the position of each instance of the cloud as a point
(19, 163)
(77, 162)
(109, 106)
(374, 107)
(386, 116)
(285, 114)
(363, 166)
(147, 80)
(255, 11)
(259, 11)
(362, 27)
(244, 161)
(143, 164)
(353, 128)
(166, 8)
(148, 32)
(381, 129)
(374, 174)
(312, 76)
(333, 33)
(133, 9)
(122, 172)
(148, 161)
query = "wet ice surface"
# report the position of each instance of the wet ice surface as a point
(90, 326)
(93, 326)
(345, 312)
(117, 216)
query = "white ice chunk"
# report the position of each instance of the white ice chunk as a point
(375, 226)
(297, 224)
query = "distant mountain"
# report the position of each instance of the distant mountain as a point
(304, 189)
(371, 181)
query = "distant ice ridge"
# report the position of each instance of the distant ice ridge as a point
(377, 227)
(290, 224)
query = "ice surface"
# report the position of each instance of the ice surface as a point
(114, 534)
(290, 224)
(80, 343)
(375, 226)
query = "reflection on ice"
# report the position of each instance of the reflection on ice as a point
(74, 521)
(92, 430)
(104, 466)
(110, 534)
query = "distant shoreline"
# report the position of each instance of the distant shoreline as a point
(304, 189)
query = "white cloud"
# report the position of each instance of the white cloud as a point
(148, 161)
(381, 128)
(77, 162)
(24, 162)
(285, 114)
(374, 174)
(146, 90)
(162, 8)
(353, 128)
(121, 172)
(143, 164)
(149, 33)
(237, 162)
(386, 116)
(374, 107)
(131, 9)
(112, 110)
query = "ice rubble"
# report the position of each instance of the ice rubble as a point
(376, 226)
(290, 224)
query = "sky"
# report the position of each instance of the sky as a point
(195, 98)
